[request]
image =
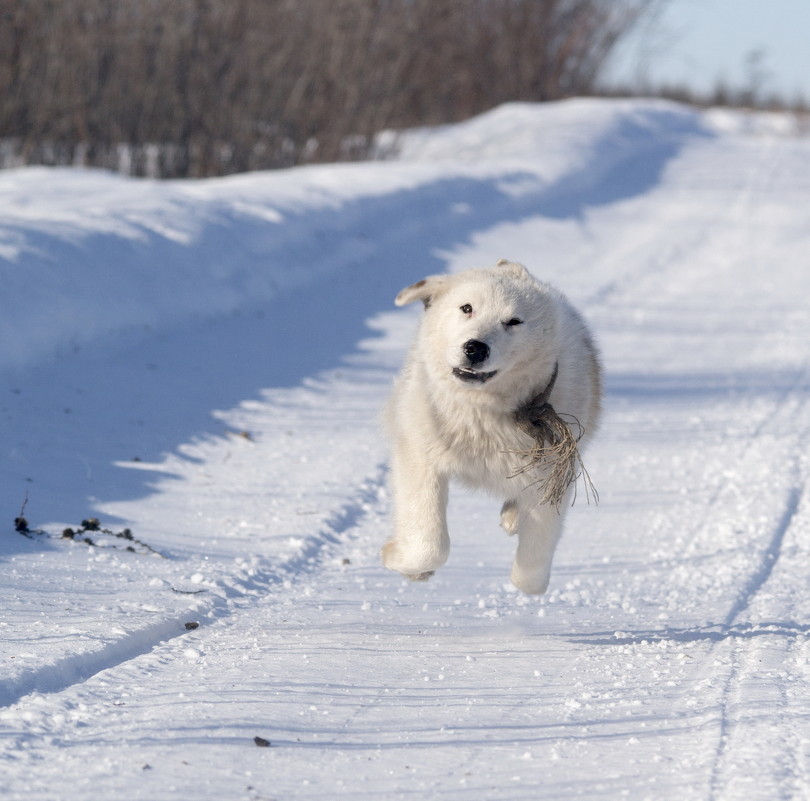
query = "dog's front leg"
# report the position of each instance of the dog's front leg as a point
(420, 544)
(538, 530)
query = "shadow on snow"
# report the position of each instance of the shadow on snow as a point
(152, 395)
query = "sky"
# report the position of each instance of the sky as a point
(698, 42)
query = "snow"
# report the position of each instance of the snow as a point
(204, 364)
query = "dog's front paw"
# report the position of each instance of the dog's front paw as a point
(417, 567)
(530, 582)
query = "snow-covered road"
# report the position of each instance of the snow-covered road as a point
(205, 363)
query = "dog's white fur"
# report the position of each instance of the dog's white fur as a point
(445, 422)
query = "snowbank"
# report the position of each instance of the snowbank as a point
(87, 254)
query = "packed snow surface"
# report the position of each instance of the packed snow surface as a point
(200, 367)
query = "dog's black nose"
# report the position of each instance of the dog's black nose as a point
(475, 350)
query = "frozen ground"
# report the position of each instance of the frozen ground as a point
(203, 363)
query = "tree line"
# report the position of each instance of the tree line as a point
(171, 88)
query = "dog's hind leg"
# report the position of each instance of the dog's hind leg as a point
(420, 544)
(538, 530)
(510, 516)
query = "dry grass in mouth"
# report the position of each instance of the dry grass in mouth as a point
(555, 453)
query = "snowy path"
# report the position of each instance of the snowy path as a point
(670, 658)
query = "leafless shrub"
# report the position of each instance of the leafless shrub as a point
(207, 87)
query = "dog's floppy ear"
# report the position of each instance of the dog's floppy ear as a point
(513, 268)
(424, 290)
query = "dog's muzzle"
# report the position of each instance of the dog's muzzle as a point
(476, 353)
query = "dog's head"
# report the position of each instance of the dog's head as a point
(483, 326)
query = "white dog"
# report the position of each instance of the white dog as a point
(490, 343)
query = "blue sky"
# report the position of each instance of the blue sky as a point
(697, 42)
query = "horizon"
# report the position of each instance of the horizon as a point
(701, 44)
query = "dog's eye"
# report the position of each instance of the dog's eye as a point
(466, 308)
(513, 321)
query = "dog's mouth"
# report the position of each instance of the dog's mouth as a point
(468, 374)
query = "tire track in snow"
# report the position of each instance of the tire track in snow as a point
(337, 528)
(743, 703)
(64, 673)
(740, 725)
(742, 206)
(768, 560)
(743, 658)
(734, 654)
(251, 585)
(745, 687)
